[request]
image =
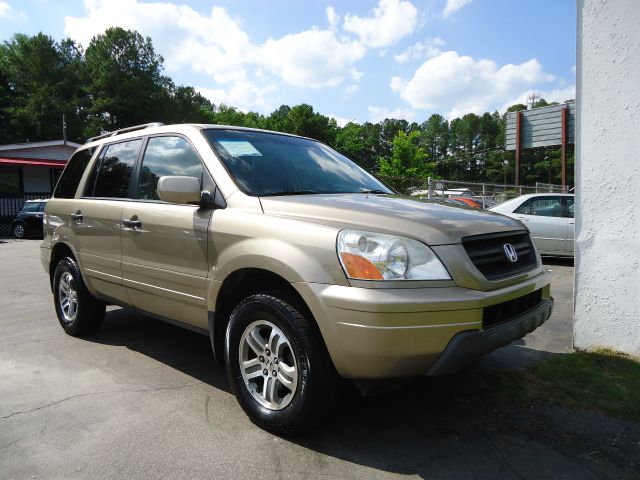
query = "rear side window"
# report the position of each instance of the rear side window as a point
(68, 183)
(166, 156)
(30, 207)
(112, 172)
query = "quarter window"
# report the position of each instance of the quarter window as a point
(113, 171)
(68, 183)
(166, 156)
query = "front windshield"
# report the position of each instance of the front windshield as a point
(265, 164)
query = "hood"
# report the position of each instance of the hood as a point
(433, 223)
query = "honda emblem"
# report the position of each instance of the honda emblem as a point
(510, 252)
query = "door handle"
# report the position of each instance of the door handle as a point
(76, 217)
(133, 223)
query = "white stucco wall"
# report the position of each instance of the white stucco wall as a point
(607, 288)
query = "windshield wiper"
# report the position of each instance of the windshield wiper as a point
(289, 192)
(374, 191)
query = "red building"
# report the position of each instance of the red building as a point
(30, 171)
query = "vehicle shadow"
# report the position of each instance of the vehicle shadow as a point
(559, 261)
(186, 351)
(422, 429)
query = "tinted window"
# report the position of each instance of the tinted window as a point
(166, 156)
(31, 207)
(68, 183)
(570, 207)
(524, 208)
(113, 170)
(546, 207)
(271, 164)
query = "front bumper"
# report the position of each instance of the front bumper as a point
(376, 333)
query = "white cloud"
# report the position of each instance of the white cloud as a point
(426, 49)
(8, 12)
(465, 85)
(313, 59)
(243, 95)
(391, 20)
(341, 121)
(378, 114)
(333, 18)
(573, 69)
(453, 6)
(216, 45)
(213, 44)
(351, 89)
(5, 9)
(553, 95)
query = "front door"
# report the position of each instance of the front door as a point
(164, 245)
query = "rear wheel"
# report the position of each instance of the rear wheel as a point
(19, 230)
(278, 366)
(78, 311)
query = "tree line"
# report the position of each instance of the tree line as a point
(119, 81)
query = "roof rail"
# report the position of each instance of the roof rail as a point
(124, 130)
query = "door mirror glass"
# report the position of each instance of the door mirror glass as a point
(174, 189)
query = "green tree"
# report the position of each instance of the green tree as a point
(126, 82)
(40, 80)
(408, 157)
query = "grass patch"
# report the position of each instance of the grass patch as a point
(603, 381)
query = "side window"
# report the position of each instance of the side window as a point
(166, 156)
(112, 172)
(68, 183)
(570, 207)
(546, 207)
(30, 207)
(524, 209)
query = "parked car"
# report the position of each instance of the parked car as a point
(468, 201)
(549, 218)
(302, 268)
(28, 221)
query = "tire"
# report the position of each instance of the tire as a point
(299, 389)
(78, 311)
(19, 230)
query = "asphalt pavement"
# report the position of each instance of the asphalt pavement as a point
(144, 399)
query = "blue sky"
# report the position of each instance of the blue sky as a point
(353, 60)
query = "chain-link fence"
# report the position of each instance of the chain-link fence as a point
(484, 195)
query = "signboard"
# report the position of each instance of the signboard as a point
(540, 127)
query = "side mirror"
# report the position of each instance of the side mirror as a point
(176, 189)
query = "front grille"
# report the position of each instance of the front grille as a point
(488, 255)
(505, 311)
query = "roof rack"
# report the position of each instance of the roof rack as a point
(124, 130)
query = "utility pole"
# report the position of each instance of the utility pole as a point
(64, 129)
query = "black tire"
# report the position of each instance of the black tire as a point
(317, 390)
(89, 312)
(19, 230)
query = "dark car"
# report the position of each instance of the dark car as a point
(28, 222)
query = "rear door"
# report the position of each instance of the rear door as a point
(96, 217)
(543, 216)
(164, 245)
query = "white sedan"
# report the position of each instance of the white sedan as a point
(549, 217)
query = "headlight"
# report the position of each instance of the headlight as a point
(377, 256)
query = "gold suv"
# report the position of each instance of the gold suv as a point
(301, 267)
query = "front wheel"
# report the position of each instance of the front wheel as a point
(278, 366)
(19, 230)
(78, 311)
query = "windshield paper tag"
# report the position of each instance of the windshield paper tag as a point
(239, 148)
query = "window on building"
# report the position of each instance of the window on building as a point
(10, 179)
